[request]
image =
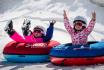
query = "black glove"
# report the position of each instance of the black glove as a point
(25, 27)
(9, 28)
(52, 22)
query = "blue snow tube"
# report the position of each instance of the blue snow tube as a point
(99, 45)
(67, 54)
(67, 50)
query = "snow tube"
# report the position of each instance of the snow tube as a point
(67, 54)
(22, 52)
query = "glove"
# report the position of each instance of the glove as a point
(52, 22)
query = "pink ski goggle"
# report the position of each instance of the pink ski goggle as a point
(80, 23)
(37, 31)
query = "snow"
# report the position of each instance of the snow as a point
(98, 2)
(40, 12)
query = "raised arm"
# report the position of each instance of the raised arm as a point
(49, 32)
(12, 33)
(67, 24)
(91, 25)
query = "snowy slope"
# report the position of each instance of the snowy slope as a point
(40, 12)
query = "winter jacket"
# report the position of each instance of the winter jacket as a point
(30, 38)
(79, 38)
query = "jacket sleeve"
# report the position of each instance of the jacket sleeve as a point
(90, 27)
(49, 33)
(16, 37)
(68, 26)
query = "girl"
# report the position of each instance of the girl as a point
(36, 36)
(79, 33)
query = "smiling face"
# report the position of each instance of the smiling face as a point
(78, 25)
(37, 33)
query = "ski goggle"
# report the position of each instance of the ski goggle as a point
(79, 24)
(37, 31)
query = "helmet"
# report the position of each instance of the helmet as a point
(39, 28)
(80, 18)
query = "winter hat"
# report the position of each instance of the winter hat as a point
(80, 18)
(39, 28)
